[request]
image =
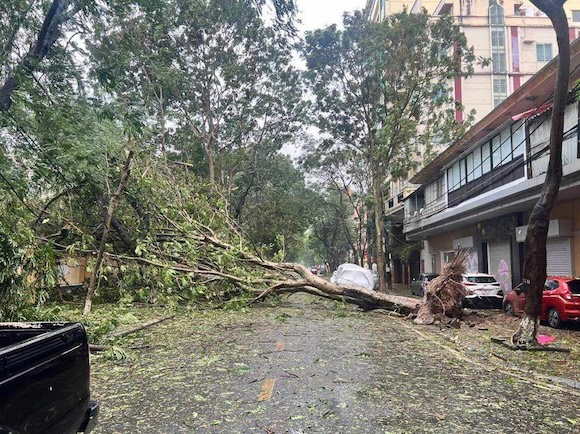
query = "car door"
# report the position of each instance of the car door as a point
(520, 299)
(549, 293)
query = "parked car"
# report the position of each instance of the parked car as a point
(419, 283)
(352, 274)
(482, 290)
(560, 301)
(44, 379)
(314, 270)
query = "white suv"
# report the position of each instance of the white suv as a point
(482, 289)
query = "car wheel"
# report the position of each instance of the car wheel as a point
(508, 308)
(554, 320)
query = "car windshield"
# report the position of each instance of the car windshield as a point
(481, 279)
(574, 286)
(429, 278)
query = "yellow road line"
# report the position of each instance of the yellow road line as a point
(267, 389)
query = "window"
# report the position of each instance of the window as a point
(440, 187)
(498, 62)
(518, 139)
(454, 176)
(495, 14)
(496, 151)
(544, 52)
(477, 164)
(485, 158)
(576, 16)
(506, 146)
(469, 167)
(499, 90)
(446, 9)
(448, 256)
(498, 38)
(462, 172)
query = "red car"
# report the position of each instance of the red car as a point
(560, 302)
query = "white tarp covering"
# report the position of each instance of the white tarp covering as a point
(351, 274)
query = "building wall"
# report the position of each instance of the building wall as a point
(439, 244)
(570, 210)
(522, 34)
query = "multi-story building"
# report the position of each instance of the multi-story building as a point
(514, 35)
(479, 193)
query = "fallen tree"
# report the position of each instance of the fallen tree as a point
(190, 250)
(279, 277)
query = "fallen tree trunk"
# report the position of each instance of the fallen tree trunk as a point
(282, 278)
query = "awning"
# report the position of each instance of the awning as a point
(532, 112)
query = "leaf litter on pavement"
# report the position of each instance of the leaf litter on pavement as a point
(338, 370)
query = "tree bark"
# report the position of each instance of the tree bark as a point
(379, 229)
(106, 231)
(535, 244)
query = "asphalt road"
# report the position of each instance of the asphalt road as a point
(309, 367)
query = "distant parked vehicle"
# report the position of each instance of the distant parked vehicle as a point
(354, 275)
(419, 283)
(560, 301)
(482, 290)
(313, 270)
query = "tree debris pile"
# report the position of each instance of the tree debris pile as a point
(444, 294)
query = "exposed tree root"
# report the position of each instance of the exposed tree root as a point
(444, 295)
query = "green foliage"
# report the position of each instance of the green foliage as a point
(205, 94)
(382, 89)
(381, 94)
(26, 272)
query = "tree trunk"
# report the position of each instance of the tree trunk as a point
(106, 231)
(47, 36)
(535, 244)
(379, 229)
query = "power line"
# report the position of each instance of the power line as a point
(11, 187)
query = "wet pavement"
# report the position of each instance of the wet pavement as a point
(317, 367)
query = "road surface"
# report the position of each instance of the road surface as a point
(314, 367)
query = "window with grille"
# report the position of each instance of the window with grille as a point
(544, 52)
(498, 62)
(499, 90)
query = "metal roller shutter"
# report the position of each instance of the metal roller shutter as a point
(559, 256)
(500, 262)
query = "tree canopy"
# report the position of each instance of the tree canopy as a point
(382, 93)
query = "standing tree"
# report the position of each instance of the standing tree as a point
(535, 244)
(346, 190)
(381, 90)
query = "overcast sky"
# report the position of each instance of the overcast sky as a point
(315, 14)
